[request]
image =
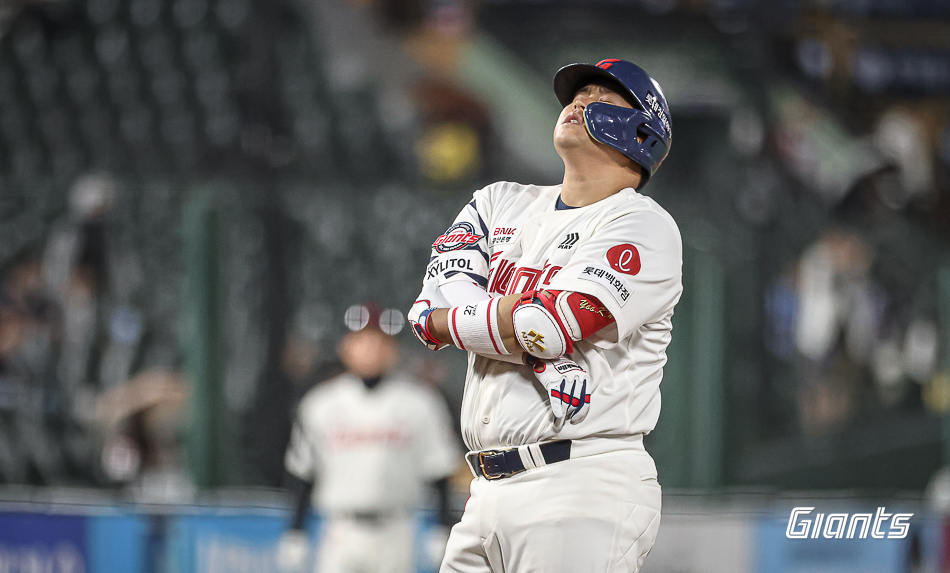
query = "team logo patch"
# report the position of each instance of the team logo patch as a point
(458, 236)
(605, 64)
(624, 259)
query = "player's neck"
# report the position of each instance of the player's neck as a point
(582, 187)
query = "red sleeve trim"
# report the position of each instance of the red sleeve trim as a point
(455, 329)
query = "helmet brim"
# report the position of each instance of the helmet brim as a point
(573, 77)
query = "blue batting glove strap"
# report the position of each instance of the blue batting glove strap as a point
(419, 323)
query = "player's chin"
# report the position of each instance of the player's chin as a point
(568, 135)
(574, 140)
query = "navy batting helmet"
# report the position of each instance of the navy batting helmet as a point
(644, 133)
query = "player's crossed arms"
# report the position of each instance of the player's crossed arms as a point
(541, 325)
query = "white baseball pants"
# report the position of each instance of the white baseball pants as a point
(355, 546)
(595, 514)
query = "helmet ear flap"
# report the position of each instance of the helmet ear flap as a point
(644, 137)
(621, 128)
(651, 143)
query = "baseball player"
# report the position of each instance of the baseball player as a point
(563, 296)
(370, 440)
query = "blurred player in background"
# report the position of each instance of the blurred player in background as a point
(365, 446)
(563, 296)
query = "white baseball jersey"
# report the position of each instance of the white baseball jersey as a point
(371, 450)
(625, 250)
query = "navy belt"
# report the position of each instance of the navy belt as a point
(497, 464)
(368, 517)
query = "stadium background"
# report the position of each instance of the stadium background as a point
(193, 191)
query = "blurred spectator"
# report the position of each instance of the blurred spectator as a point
(75, 269)
(858, 309)
(142, 422)
(839, 313)
(364, 446)
(29, 335)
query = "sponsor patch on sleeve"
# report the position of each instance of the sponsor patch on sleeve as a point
(609, 279)
(624, 258)
(447, 264)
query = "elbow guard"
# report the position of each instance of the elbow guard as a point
(547, 323)
(538, 328)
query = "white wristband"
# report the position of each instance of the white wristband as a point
(474, 327)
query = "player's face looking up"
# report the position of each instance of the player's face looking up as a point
(573, 113)
(571, 134)
(369, 352)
